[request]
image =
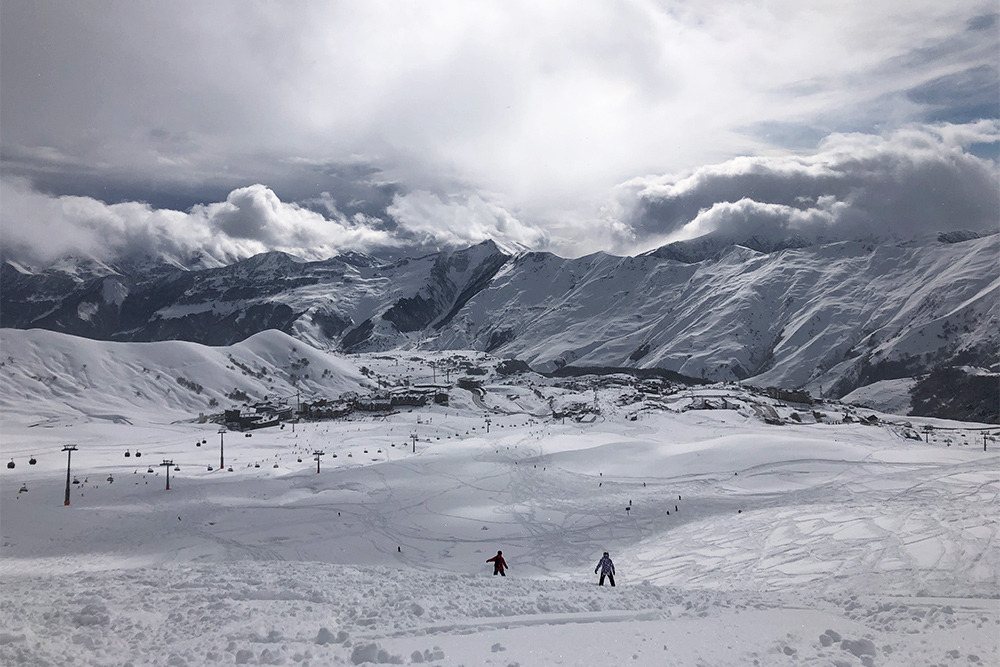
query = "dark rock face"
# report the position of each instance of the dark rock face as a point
(951, 393)
(358, 336)
(499, 338)
(412, 313)
(331, 323)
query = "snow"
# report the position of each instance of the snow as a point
(887, 395)
(821, 543)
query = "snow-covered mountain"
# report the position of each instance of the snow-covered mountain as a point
(55, 376)
(825, 318)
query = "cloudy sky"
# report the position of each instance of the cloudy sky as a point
(233, 127)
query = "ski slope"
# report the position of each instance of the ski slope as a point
(813, 543)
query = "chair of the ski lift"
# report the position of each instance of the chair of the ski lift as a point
(256, 465)
(24, 488)
(300, 459)
(11, 464)
(210, 468)
(111, 478)
(229, 469)
(177, 468)
(32, 461)
(149, 470)
(275, 465)
(198, 444)
(127, 454)
(138, 453)
(76, 481)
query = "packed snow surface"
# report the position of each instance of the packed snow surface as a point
(735, 541)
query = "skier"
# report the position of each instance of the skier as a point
(607, 569)
(499, 564)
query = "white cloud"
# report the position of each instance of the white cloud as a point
(38, 228)
(912, 181)
(915, 180)
(460, 221)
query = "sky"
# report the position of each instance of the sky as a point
(231, 128)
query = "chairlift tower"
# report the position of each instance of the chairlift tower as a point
(169, 464)
(488, 422)
(222, 449)
(413, 436)
(69, 449)
(318, 453)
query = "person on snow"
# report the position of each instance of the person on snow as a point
(607, 569)
(499, 564)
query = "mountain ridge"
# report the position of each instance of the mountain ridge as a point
(827, 318)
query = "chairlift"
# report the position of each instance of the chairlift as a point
(256, 465)
(204, 442)
(198, 444)
(76, 481)
(111, 479)
(32, 461)
(210, 468)
(177, 468)
(229, 469)
(11, 464)
(275, 465)
(127, 454)
(334, 456)
(24, 488)
(300, 459)
(138, 453)
(149, 470)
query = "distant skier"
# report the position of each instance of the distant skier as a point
(499, 564)
(607, 569)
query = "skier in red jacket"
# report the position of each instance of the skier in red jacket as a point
(499, 564)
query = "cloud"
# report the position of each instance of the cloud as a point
(912, 181)
(39, 228)
(431, 220)
(915, 180)
(538, 108)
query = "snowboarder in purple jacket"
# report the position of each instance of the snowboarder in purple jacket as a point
(607, 569)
